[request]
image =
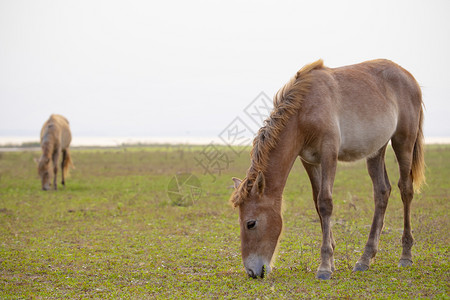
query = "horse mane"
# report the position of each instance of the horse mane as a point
(287, 102)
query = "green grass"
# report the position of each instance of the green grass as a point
(114, 233)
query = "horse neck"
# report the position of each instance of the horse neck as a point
(47, 147)
(281, 160)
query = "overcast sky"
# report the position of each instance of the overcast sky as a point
(188, 68)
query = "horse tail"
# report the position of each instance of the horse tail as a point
(418, 161)
(67, 162)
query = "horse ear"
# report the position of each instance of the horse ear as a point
(260, 183)
(237, 182)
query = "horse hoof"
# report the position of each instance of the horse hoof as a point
(405, 263)
(323, 275)
(360, 267)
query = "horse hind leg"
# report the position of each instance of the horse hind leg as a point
(63, 162)
(403, 152)
(381, 192)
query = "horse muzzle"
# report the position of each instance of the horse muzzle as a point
(255, 267)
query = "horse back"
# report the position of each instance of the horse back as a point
(56, 131)
(358, 108)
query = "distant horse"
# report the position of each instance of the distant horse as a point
(324, 115)
(55, 139)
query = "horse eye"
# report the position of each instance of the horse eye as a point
(251, 224)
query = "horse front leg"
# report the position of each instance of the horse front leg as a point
(325, 209)
(315, 177)
(55, 158)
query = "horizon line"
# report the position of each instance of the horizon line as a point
(108, 141)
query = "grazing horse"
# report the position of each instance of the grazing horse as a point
(55, 139)
(324, 115)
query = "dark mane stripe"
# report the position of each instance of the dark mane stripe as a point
(286, 102)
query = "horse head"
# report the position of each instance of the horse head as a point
(260, 224)
(43, 171)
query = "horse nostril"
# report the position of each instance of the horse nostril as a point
(251, 273)
(262, 272)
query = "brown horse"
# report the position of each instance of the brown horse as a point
(324, 115)
(55, 139)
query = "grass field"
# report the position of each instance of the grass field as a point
(113, 232)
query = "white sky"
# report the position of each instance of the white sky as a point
(188, 68)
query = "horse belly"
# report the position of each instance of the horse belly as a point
(362, 138)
